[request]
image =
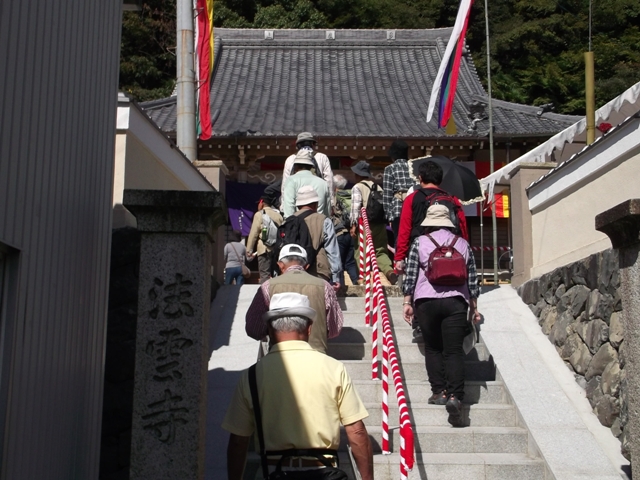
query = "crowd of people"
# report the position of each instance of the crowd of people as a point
(305, 236)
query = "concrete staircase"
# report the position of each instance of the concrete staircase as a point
(492, 445)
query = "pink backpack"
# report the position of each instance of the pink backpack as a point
(446, 265)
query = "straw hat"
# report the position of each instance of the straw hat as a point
(437, 216)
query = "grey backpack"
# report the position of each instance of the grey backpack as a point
(269, 230)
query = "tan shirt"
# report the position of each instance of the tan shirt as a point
(256, 230)
(304, 397)
(299, 281)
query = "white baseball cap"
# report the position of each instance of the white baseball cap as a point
(292, 250)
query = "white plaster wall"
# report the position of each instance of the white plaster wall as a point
(564, 230)
(119, 168)
(144, 171)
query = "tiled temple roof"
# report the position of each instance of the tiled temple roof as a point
(359, 84)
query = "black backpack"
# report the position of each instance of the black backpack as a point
(422, 200)
(294, 230)
(374, 208)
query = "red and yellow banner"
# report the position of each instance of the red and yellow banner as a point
(501, 205)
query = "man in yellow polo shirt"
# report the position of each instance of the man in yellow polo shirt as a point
(304, 394)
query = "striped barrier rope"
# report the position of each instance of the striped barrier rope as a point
(489, 249)
(370, 304)
(364, 274)
(361, 248)
(389, 359)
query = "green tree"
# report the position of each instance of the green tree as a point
(147, 54)
(537, 46)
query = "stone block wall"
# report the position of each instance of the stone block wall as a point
(578, 308)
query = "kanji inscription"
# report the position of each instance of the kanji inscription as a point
(164, 417)
(167, 350)
(171, 300)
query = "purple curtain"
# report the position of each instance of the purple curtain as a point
(242, 203)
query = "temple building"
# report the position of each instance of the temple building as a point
(356, 91)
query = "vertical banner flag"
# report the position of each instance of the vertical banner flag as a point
(203, 64)
(446, 81)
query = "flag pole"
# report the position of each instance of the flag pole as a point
(186, 81)
(494, 221)
(589, 88)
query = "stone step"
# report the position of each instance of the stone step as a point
(478, 415)
(355, 303)
(370, 391)
(360, 348)
(454, 440)
(416, 371)
(355, 318)
(468, 466)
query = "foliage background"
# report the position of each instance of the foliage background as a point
(537, 46)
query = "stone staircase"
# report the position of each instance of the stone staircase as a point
(492, 445)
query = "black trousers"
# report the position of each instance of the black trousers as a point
(443, 322)
(395, 228)
(346, 246)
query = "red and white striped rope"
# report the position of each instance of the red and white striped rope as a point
(361, 248)
(488, 249)
(363, 273)
(370, 304)
(390, 358)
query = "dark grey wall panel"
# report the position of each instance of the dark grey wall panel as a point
(58, 98)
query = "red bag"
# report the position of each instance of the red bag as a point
(446, 265)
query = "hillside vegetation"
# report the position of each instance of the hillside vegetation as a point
(537, 46)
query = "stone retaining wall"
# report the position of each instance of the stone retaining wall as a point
(578, 307)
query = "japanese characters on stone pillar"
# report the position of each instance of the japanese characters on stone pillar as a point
(622, 225)
(169, 406)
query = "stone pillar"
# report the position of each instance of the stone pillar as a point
(169, 405)
(622, 225)
(216, 172)
(522, 176)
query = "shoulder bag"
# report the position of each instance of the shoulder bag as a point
(246, 273)
(328, 473)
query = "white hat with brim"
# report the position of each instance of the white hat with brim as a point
(306, 195)
(303, 157)
(292, 250)
(289, 304)
(437, 216)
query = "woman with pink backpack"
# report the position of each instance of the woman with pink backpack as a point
(441, 290)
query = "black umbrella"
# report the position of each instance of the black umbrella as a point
(457, 180)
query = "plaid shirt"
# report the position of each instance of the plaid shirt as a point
(412, 270)
(396, 179)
